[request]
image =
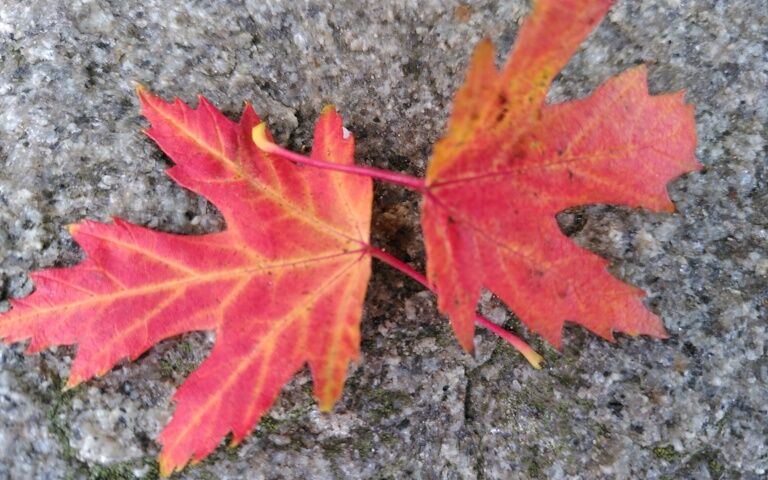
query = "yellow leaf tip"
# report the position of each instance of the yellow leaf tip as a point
(167, 468)
(235, 441)
(326, 404)
(140, 89)
(259, 136)
(72, 382)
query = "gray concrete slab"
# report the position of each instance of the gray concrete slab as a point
(693, 406)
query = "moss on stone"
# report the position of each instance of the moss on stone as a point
(60, 401)
(364, 443)
(533, 469)
(267, 424)
(182, 363)
(385, 403)
(716, 469)
(665, 452)
(124, 470)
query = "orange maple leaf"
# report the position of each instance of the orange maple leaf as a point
(510, 162)
(282, 286)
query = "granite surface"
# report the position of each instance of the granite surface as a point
(693, 406)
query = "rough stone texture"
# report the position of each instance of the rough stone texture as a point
(694, 406)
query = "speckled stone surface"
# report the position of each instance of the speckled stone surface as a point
(693, 406)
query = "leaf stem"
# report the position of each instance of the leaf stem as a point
(533, 358)
(259, 136)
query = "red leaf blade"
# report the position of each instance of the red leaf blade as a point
(509, 163)
(282, 286)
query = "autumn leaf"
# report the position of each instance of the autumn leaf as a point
(281, 287)
(510, 162)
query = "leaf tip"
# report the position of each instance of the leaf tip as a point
(139, 88)
(169, 466)
(326, 405)
(248, 111)
(465, 336)
(72, 382)
(166, 468)
(654, 328)
(202, 102)
(143, 93)
(484, 47)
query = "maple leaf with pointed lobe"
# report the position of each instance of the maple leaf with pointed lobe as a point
(282, 286)
(510, 162)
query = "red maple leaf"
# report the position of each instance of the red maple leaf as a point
(282, 286)
(510, 162)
